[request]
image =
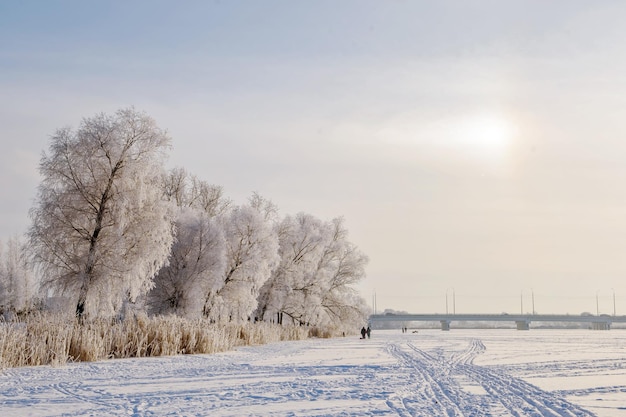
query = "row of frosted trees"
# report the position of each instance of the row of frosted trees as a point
(112, 231)
(235, 263)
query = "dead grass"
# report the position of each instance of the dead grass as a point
(45, 339)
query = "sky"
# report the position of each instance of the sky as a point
(476, 149)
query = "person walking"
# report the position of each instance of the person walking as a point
(363, 332)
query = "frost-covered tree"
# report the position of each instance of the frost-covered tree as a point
(342, 266)
(313, 283)
(301, 244)
(194, 269)
(251, 250)
(18, 285)
(100, 227)
(197, 258)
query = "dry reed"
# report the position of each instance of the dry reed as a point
(46, 339)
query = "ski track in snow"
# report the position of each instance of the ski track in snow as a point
(436, 377)
(385, 376)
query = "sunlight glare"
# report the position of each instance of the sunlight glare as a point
(485, 137)
(484, 133)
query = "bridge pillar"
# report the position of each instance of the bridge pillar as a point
(600, 325)
(445, 325)
(523, 325)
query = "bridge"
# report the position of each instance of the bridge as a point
(522, 321)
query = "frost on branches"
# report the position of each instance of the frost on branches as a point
(100, 227)
(197, 257)
(313, 282)
(251, 249)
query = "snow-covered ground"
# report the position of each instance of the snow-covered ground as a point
(429, 373)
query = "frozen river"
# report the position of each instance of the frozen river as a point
(430, 373)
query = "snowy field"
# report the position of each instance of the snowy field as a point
(431, 373)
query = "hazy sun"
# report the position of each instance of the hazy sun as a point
(486, 136)
(487, 133)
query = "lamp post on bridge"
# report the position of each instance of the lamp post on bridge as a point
(453, 300)
(613, 302)
(532, 298)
